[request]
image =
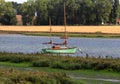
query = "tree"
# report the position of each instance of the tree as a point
(28, 11)
(16, 6)
(81, 12)
(115, 12)
(2, 7)
(86, 12)
(42, 12)
(102, 10)
(56, 11)
(7, 14)
(72, 7)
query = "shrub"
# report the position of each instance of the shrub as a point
(18, 59)
(75, 66)
(116, 67)
(66, 66)
(57, 64)
(4, 58)
(15, 57)
(41, 63)
(65, 80)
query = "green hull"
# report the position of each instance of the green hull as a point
(70, 50)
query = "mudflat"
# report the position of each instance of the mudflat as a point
(75, 29)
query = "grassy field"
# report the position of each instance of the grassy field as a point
(73, 29)
(79, 70)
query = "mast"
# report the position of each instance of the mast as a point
(65, 32)
(50, 32)
(65, 24)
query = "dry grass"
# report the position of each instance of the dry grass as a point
(78, 29)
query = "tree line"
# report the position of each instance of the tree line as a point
(78, 12)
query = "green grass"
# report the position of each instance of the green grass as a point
(64, 64)
(23, 64)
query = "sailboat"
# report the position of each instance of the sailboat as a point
(57, 48)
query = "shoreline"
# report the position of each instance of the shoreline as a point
(70, 34)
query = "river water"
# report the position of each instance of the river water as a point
(32, 44)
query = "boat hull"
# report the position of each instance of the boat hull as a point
(70, 50)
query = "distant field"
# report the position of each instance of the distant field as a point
(76, 29)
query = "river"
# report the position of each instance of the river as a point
(32, 44)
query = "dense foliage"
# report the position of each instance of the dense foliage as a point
(63, 62)
(78, 12)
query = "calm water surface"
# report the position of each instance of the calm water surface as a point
(32, 44)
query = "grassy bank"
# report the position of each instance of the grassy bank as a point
(85, 35)
(88, 67)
